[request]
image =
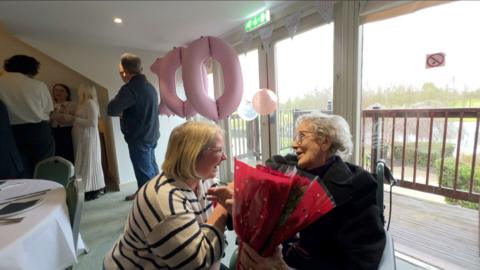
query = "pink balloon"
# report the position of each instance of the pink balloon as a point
(162, 107)
(198, 52)
(264, 101)
(167, 67)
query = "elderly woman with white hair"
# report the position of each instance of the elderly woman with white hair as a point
(351, 236)
(86, 142)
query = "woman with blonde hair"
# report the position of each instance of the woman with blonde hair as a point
(172, 224)
(86, 142)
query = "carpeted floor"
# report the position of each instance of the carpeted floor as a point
(103, 221)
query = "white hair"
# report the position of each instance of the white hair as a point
(333, 126)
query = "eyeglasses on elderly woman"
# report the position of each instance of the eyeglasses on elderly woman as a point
(300, 136)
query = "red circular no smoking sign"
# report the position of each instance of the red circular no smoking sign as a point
(435, 60)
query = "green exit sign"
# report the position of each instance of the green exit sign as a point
(257, 21)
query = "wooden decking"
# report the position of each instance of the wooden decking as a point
(442, 235)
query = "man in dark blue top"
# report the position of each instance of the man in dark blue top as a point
(137, 105)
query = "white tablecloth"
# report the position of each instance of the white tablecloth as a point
(43, 240)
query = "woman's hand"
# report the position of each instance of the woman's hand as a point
(54, 115)
(66, 119)
(250, 259)
(222, 195)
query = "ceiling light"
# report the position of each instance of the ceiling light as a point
(117, 20)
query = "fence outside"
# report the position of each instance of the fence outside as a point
(245, 138)
(431, 150)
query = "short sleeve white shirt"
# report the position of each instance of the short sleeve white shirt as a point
(27, 100)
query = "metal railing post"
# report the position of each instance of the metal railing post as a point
(376, 141)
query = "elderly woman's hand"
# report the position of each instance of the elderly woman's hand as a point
(222, 195)
(250, 259)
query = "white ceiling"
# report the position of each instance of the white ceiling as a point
(147, 25)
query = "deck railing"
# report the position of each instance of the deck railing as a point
(245, 138)
(431, 150)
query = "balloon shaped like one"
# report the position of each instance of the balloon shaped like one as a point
(162, 107)
(264, 101)
(198, 52)
(165, 69)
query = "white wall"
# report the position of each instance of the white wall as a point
(100, 64)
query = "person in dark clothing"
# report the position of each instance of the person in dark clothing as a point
(137, 105)
(351, 236)
(29, 105)
(10, 159)
(62, 129)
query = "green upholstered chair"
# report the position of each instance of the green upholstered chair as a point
(54, 168)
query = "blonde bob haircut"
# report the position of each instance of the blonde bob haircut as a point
(186, 143)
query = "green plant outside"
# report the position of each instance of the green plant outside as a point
(464, 172)
(422, 152)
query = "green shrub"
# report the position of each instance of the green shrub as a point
(464, 171)
(422, 152)
(466, 204)
(448, 173)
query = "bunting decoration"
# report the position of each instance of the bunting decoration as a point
(246, 41)
(291, 23)
(266, 36)
(325, 9)
(363, 5)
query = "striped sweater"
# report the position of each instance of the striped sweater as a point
(166, 229)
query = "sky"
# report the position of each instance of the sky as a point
(250, 73)
(395, 50)
(304, 62)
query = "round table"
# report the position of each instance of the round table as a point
(43, 239)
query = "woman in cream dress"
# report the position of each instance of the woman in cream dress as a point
(86, 142)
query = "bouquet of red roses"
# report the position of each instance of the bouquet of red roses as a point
(272, 206)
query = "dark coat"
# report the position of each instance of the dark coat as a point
(11, 164)
(351, 236)
(137, 103)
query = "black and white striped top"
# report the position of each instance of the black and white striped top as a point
(166, 229)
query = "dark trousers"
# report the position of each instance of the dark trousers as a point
(143, 161)
(63, 143)
(35, 143)
(11, 166)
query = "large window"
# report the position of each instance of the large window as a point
(304, 77)
(394, 73)
(424, 145)
(244, 124)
